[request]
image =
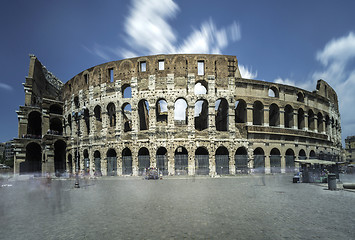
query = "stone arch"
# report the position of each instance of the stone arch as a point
(34, 125)
(56, 109)
(33, 160)
(181, 112)
(300, 119)
(202, 166)
(143, 114)
(86, 161)
(240, 111)
(143, 160)
(111, 112)
(55, 126)
(327, 123)
(87, 120)
(161, 108)
(290, 160)
(241, 160)
(274, 115)
(76, 102)
(288, 116)
(181, 161)
(126, 161)
(221, 119)
(312, 154)
(162, 160)
(97, 113)
(311, 120)
(69, 122)
(320, 122)
(302, 155)
(97, 162)
(201, 87)
(300, 97)
(59, 157)
(275, 160)
(126, 91)
(258, 113)
(70, 163)
(127, 117)
(273, 92)
(111, 162)
(222, 160)
(259, 160)
(201, 114)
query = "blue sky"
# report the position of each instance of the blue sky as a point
(293, 42)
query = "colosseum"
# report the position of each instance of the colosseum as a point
(182, 113)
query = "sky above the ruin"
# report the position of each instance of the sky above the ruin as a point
(290, 42)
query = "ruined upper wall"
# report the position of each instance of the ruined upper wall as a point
(40, 83)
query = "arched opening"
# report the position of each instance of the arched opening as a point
(201, 87)
(300, 97)
(87, 120)
(201, 114)
(310, 120)
(97, 113)
(126, 91)
(161, 109)
(240, 111)
(290, 160)
(76, 102)
(162, 160)
(77, 161)
(275, 161)
(241, 160)
(111, 112)
(327, 124)
(258, 113)
(288, 116)
(180, 112)
(97, 160)
(181, 161)
(70, 163)
(127, 117)
(274, 115)
(59, 157)
(300, 119)
(202, 165)
(312, 155)
(221, 113)
(143, 160)
(86, 162)
(33, 161)
(259, 160)
(222, 160)
(126, 161)
(34, 127)
(143, 113)
(69, 121)
(55, 126)
(56, 109)
(302, 155)
(273, 92)
(111, 162)
(320, 122)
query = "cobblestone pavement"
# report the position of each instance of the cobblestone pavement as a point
(175, 208)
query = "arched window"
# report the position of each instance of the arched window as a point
(310, 120)
(222, 160)
(273, 92)
(258, 113)
(143, 113)
(111, 162)
(126, 91)
(111, 111)
(56, 109)
(300, 97)
(240, 111)
(97, 112)
(143, 160)
(86, 161)
(200, 87)
(288, 116)
(55, 126)
(161, 109)
(180, 112)
(201, 114)
(202, 161)
(300, 119)
(127, 117)
(221, 119)
(320, 122)
(302, 155)
(181, 161)
(34, 125)
(87, 120)
(76, 102)
(274, 115)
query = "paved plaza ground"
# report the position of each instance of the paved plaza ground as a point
(240, 207)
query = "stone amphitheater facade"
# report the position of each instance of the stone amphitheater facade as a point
(182, 113)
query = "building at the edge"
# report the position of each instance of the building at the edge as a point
(350, 149)
(182, 113)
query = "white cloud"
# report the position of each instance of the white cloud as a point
(180, 109)
(310, 85)
(247, 73)
(6, 87)
(200, 89)
(336, 58)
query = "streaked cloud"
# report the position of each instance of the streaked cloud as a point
(247, 73)
(5, 86)
(337, 59)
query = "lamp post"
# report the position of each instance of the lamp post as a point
(77, 116)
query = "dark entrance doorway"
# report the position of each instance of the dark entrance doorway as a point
(59, 157)
(33, 162)
(202, 164)
(290, 160)
(259, 160)
(241, 160)
(97, 159)
(222, 161)
(111, 162)
(126, 161)
(181, 161)
(162, 160)
(143, 160)
(275, 161)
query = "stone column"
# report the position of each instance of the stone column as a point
(295, 119)
(231, 163)
(266, 116)
(283, 164)
(267, 164)
(282, 117)
(249, 114)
